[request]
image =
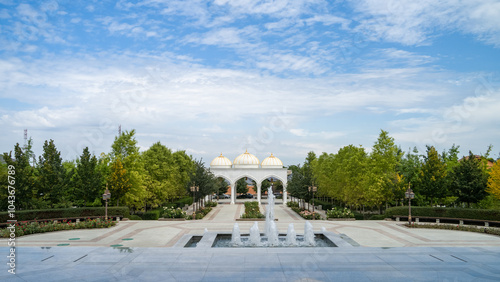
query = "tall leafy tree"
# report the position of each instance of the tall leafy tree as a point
(51, 175)
(381, 183)
(24, 177)
(494, 180)
(469, 180)
(432, 178)
(204, 179)
(125, 149)
(159, 169)
(118, 181)
(351, 172)
(87, 179)
(297, 182)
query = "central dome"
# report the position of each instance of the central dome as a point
(246, 160)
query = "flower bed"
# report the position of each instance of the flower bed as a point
(252, 210)
(337, 213)
(171, 212)
(306, 214)
(26, 228)
(200, 213)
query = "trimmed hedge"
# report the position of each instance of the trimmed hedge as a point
(480, 214)
(324, 205)
(25, 215)
(151, 215)
(180, 203)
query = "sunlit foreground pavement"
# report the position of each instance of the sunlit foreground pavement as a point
(144, 251)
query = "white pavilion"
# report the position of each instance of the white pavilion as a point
(248, 165)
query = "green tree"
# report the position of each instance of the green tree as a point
(241, 186)
(118, 181)
(297, 182)
(381, 183)
(51, 180)
(126, 150)
(432, 178)
(159, 169)
(494, 180)
(24, 177)
(469, 180)
(88, 179)
(350, 174)
(204, 179)
(221, 187)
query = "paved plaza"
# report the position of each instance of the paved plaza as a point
(146, 251)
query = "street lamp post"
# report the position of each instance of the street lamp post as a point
(313, 189)
(106, 196)
(194, 189)
(409, 195)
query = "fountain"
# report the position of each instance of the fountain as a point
(291, 236)
(236, 237)
(255, 235)
(272, 236)
(309, 234)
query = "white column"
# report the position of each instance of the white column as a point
(285, 194)
(259, 192)
(233, 192)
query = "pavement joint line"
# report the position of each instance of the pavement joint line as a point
(80, 258)
(47, 258)
(436, 258)
(458, 258)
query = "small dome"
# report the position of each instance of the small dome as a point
(246, 160)
(272, 162)
(221, 162)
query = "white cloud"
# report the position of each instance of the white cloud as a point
(415, 23)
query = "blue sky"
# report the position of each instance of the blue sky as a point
(286, 77)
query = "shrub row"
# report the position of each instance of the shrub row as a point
(151, 215)
(25, 215)
(180, 203)
(211, 204)
(493, 231)
(26, 228)
(480, 214)
(200, 213)
(324, 205)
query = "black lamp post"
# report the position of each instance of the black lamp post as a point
(409, 195)
(106, 196)
(313, 189)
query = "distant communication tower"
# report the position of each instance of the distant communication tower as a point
(25, 136)
(120, 130)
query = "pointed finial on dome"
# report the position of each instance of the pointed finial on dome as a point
(246, 151)
(221, 154)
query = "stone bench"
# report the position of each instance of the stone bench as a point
(460, 221)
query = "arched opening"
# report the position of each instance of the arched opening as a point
(223, 188)
(246, 188)
(277, 190)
